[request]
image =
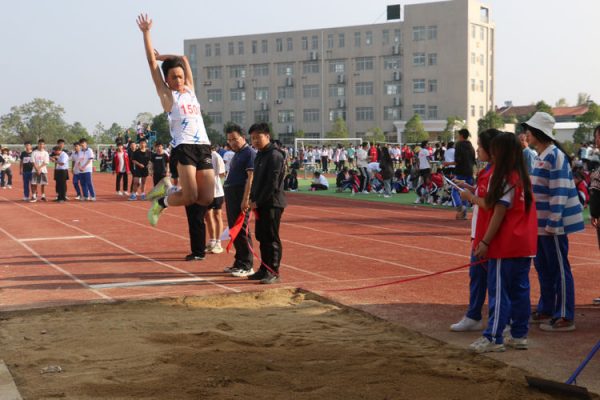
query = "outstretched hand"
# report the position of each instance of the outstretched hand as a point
(144, 23)
(158, 56)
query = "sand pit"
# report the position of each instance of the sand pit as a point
(274, 344)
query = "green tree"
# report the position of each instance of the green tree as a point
(213, 135)
(583, 98)
(339, 129)
(414, 131)
(375, 135)
(453, 125)
(76, 132)
(543, 107)
(492, 120)
(562, 102)
(160, 124)
(40, 118)
(587, 123)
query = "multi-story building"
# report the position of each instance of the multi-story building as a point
(437, 62)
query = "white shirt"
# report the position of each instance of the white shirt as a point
(322, 180)
(75, 159)
(361, 158)
(84, 157)
(424, 159)
(185, 120)
(219, 167)
(40, 157)
(227, 157)
(373, 167)
(64, 159)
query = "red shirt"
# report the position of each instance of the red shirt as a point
(373, 154)
(483, 215)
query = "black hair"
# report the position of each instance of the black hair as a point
(156, 144)
(485, 139)
(450, 145)
(385, 155)
(260, 127)
(578, 175)
(294, 172)
(118, 144)
(142, 140)
(317, 173)
(82, 140)
(596, 129)
(60, 141)
(76, 144)
(424, 143)
(27, 142)
(345, 169)
(234, 128)
(277, 142)
(55, 148)
(170, 63)
(464, 133)
(41, 141)
(543, 138)
(364, 144)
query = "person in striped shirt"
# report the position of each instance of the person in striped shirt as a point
(559, 214)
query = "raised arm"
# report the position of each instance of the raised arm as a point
(164, 93)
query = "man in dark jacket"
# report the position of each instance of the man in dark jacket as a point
(268, 199)
(464, 159)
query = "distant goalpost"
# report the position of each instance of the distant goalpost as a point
(320, 142)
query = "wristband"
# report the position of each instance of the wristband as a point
(485, 243)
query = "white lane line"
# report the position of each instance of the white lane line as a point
(126, 249)
(310, 273)
(56, 267)
(57, 238)
(145, 283)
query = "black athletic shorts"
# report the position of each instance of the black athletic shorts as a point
(197, 155)
(140, 172)
(217, 203)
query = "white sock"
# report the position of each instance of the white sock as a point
(218, 242)
(166, 202)
(212, 242)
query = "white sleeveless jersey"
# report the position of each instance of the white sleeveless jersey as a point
(186, 121)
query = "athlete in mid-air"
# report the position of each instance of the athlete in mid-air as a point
(191, 146)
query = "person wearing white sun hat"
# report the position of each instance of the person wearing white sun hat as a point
(559, 214)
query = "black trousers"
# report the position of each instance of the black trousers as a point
(365, 183)
(122, 175)
(61, 176)
(8, 173)
(233, 205)
(267, 233)
(197, 228)
(324, 161)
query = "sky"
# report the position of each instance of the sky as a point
(88, 56)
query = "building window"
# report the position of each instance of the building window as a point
(472, 58)
(364, 64)
(391, 88)
(432, 59)
(216, 117)
(193, 57)
(304, 42)
(433, 85)
(472, 111)
(315, 42)
(473, 31)
(230, 48)
(432, 112)
(391, 62)
(481, 86)
(419, 109)
(261, 70)
(391, 113)
(485, 15)
(419, 33)
(481, 60)
(432, 30)
(237, 94)
(330, 41)
(238, 117)
(237, 71)
(481, 111)
(208, 50)
(418, 59)
(311, 115)
(285, 69)
(310, 67)
(356, 39)
(386, 36)
(254, 46)
(285, 92)
(472, 85)
(337, 90)
(261, 116)
(419, 85)
(240, 48)
(342, 40)
(337, 66)
(310, 91)
(481, 33)
(265, 46)
(278, 45)
(335, 113)
(214, 95)
(369, 38)
(397, 36)
(284, 116)
(290, 44)
(364, 89)
(261, 93)
(217, 49)
(213, 73)
(364, 113)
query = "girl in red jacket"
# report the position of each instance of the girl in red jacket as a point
(121, 168)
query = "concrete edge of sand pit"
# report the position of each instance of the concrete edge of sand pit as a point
(8, 389)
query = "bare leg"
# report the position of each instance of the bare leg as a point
(196, 187)
(210, 224)
(218, 225)
(33, 191)
(143, 189)
(134, 185)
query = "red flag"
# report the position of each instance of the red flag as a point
(235, 229)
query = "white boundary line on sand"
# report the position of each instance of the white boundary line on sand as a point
(8, 389)
(145, 283)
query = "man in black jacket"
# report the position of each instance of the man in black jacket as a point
(268, 199)
(464, 159)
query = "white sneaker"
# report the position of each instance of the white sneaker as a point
(393, 191)
(516, 343)
(209, 247)
(365, 192)
(9, 186)
(387, 196)
(126, 193)
(33, 200)
(353, 193)
(91, 199)
(3, 187)
(78, 198)
(483, 345)
(25, 199)
(119, 193)
(233, 268)
(240, 273)
(217, 249)
(466, 324)
(417, 201)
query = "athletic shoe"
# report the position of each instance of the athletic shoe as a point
(516, 343)
(91, 199)
(270, 278)
(597, 301)
(126, 193)
(160, 190)
(240, 273)
(133, 197)
(461, 211)
(393, 191)
(3, 187)
(365, 192)
(25, 199)
(154, 212)
(78, 197)
(231, 269)
(217, 249)
(417, 201)
(537, 318)
(119, 193)
(464, 217)
(559, 325)
(258, 275)
(193, 257)
(43, 198)
(33, 200)
(10, 187)
(466, 324)
(387, 196)
(67, 198)
(209, 247)
(353, 193)
(86, 198)
(143, 196)
(483, 345)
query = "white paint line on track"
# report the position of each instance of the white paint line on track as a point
(57, 238)
(56, 267)
(310, 273)
(145, 283)
(124, 249)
